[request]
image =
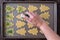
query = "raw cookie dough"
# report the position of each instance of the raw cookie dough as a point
(44, 8)
(32, 8)
(10, 16)
(33, 31)
(10, 31)
(45, 15)
(8, 24)
(20, 24)
(20, 9)
(19, 17)
(21, 31)
(9, 8)
(30, 25)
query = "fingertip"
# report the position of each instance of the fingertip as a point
(22, 15)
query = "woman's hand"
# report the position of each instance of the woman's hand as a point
(39, 22)
(33, 18)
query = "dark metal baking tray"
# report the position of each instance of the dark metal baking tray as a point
(52, 20)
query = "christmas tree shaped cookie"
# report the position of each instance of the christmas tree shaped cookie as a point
(21, 31)
(9, 8)
(19, 17)
(30, 25)
(10, 31)
(20, 9)
(10, 16)
(20, 24)
(45, 15)
(33, 31)
(32, 8)
(44, 8)
(8, 24)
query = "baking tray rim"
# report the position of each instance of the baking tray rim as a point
(55, 13)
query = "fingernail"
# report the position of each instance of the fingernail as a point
(28, 13)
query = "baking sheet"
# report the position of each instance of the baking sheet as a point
(52, 12)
